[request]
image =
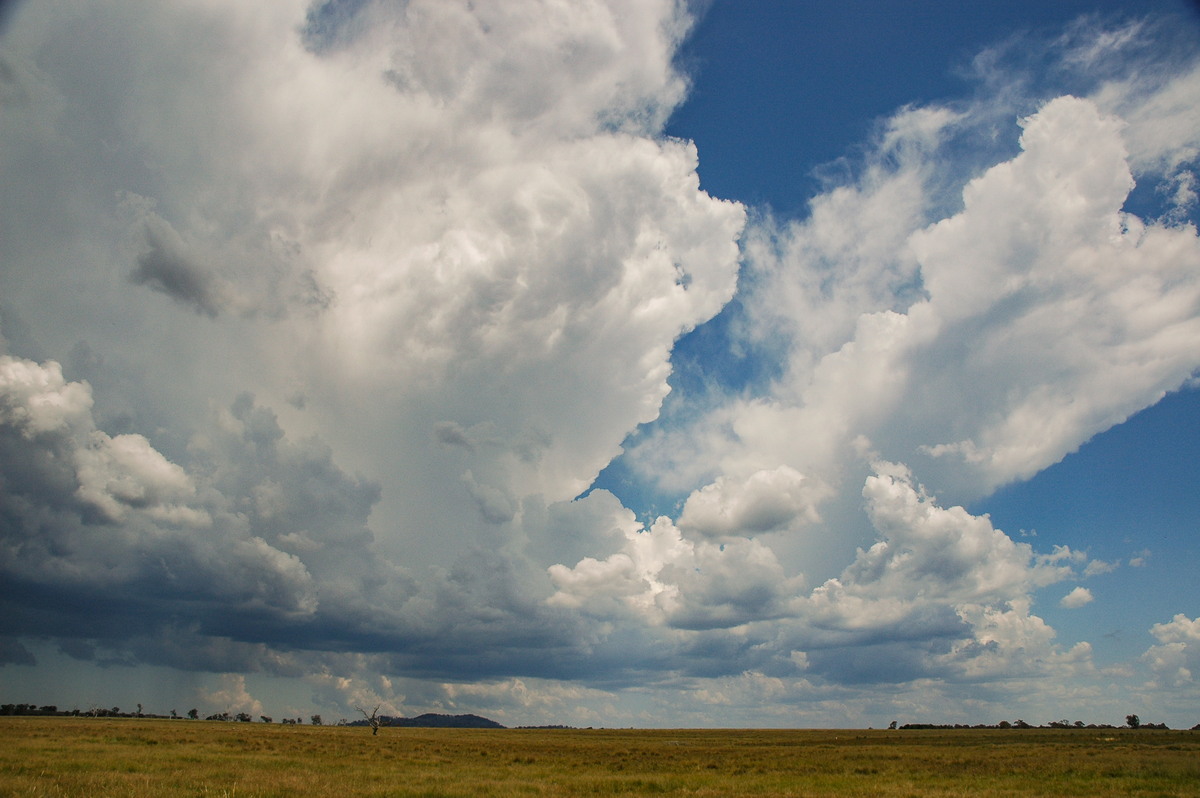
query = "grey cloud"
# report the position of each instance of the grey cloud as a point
(453, 434)
(291, 493)
(494, 504)
(879, 663)
(12, 93)
(12, 652)
(111, 522)
(717, 653)
(167, 269)
(273, 554)
(736, 585)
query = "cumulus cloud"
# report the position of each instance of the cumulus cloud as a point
(661, 577)
(952, 368)
(166, 267)
(351, 691)
(979, 349)
(232, 696)
(1104, 272)
(941, 591)
(496, 252)
(1077, 598)
(944, 552)
(765, 501)
(262, 541)
(1176, 657)
(90, 512)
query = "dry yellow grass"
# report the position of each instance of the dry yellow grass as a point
(128, 757)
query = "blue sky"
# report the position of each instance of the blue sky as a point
(602, 363)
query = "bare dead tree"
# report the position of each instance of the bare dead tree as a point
(373, 719)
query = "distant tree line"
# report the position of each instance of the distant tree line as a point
(115, 712)
(1131, 722)
(375, 721)
(93, 712)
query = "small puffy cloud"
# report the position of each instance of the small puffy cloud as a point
(1012, 642)
(1175, 660)
(164, 266)
(627, 581)
(37, 400)
(1077, 598)
(1097, 567)
(112, 475)
(230, 695)
(661, 577)
(765, 501)
(726, 586)
(125, 471)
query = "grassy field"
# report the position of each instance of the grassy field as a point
(132, 757)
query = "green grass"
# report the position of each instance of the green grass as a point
(129, 757)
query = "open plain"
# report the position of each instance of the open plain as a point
(137, 757)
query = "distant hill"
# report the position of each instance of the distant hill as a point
(433, 720)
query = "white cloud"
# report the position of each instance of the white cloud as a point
(1097, 567)
(461, 226)
(941, 593)
(765, 501)
(37, 400)
(352, 692)
(1077, 598)
(661, 577)
(125, 471)
(232, 696)
(421, 220)
(979, 349)
(938, 573)
(1176, 658)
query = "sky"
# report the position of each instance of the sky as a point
(602, 363)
